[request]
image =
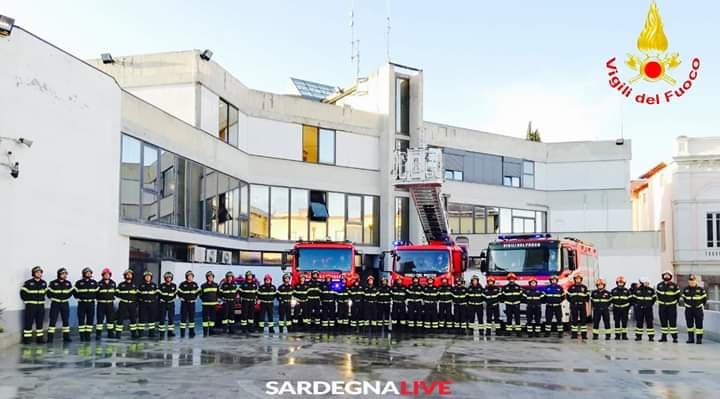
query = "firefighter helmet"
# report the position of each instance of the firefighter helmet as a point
(168, 274)
(128, 272)
(532, 280)
(61, 271)
(286, 276)
(554, 277)
(490, 279)
(577, 276)
(106, 270)
(511, 276)
(645, 280)
(86, 270)
(315, 273)
(209, 273)
(692, 277)
(667, 272)
(36, 269)
(620, 279)
(267, 278)
(599, 282)
(229, 274)
(147, 273)
(189, 273)
(370, 278)
(248, 273)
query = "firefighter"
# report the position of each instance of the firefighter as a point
(227, 292)
(474, 295)
(430, 306)
(668, 294)
(694, 299)
(33, 294)
(554, 297)
(444, 300)
(383, 304)
(126, 292)
(267, 294)
(59, 292)
(313, 302)
(209, 298)
(492, 296)
(414, 294)
(343, 305)
(644, 300)
(248, 296)
(285, 294)
(85, 292)
(105, 305)
(327, 301)
(301, 318)
(512, 296)
(600, 300)
(148, 298)
(357, 296)
(168, 291)
(398, 294)
(578, 296)
(620, 300)
(188, 292)
(370, 294)
(533, 298)
(461, 319)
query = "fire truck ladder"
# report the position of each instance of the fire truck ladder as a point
(420, 171)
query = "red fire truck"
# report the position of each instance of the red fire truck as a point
(437, 259)
(330, 258)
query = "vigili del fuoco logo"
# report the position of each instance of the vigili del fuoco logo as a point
(654, 64)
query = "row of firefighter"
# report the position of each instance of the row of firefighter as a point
(149, 309)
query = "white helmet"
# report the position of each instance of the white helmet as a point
(645, 280)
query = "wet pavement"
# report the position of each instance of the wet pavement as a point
(239, 366)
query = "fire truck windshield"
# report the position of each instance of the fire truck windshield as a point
(523, 258)
(324, 259)
(422, 261)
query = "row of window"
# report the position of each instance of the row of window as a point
(712, 229)
(158, 186)
(475, 219)
(474, 167)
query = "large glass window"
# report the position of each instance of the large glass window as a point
(151, 171)
(194, 199)
(493, 220)
(327, 146)
(423, 261)
(402, 215)
(523, 221)
(354, 218)
(318, 145)
(298, 214)
(460, 218)
(130, 178)
(228, 123)
(370, 220)
(280, 221)
(480, 220)
(402, 106)
(233, 126)
(168, 184)
(336, 219)
(310, 144)
(210, 201)
(259, 211)
(244, 218)
(528, 179)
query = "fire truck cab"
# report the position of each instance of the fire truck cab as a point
(437, 259)
(330, 258)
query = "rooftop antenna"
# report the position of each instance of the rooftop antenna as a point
(354, 43)
(388, 28)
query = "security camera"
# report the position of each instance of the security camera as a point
(15, 170)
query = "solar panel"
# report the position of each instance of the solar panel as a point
(312, 90)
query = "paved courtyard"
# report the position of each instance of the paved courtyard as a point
(239, 366)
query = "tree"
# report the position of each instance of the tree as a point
(532, 135)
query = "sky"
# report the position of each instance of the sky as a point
(488, 65)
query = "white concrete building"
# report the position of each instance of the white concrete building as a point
(681, 200)
(134, 161)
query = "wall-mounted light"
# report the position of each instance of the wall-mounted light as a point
(107, 58)
(206, 55)
(6, 25)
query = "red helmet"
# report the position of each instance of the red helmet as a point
(268, 277)
(511, 276)
(578, 275)
(490, 279)
(600, 281)
(106, 270)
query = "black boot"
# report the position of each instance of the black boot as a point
(206, 331)
(98, 335)
(574, 335)
(663, 338)
(26, 340)
(607, 337)
(583, 334)
(617, 337)
(651, 338)
(135, 334)
(698, 339)
(40, 339)
(111, 334)
(625, 337)
(691, 338)
(171, 333)
(182, 333)
(595, 337)
(152, 334)
(675, 338)
(191, 333)
(638, 337)
(66, 337)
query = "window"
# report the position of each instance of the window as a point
(250, 257)
(402, 214)
(712, 229)
(402, 106)
(244, 220)
(194, 199)
(150, 172)
(259, 211)
(512, 170)
(371, 206)
(505, 220)
(336, 216)
(228, 123)
(279, 216)
(272, 258)
(318, 215)
(130, 178)
(511, 181)
(298, 214)
(168, 183)
(453, 175)
(523, 221)
(318, 145)
(480, 227)
(493, 220)
(460, 218)
(354, 218)
(528, 179)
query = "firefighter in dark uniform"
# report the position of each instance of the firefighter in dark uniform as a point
(475, 298)
(267, 294)
(168, 291)
(492, 295)
(512, 296)
(370, 293)
(85, 292)
(313, 302)
(620, 300)
(188, 292)
(33, 294)
(59, 292)
(248, 296)
(357, 296)
(105, 305)
(285, 293)
(600, 299)
(343, 305)
(444, 300)
(301, 319)
(533, 298)
(694, 299)
(430, 306)
(209, 299)
(554, 297)
(327, 300)
(644, 300)
(227, 292)
(384, 299)
(398, 294)
(126, 292)
(414, 294)
(578, 296)
(668, 295)
(148, 298)
(460, 308)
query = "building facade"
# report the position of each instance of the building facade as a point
(681, 200)
(138, 159)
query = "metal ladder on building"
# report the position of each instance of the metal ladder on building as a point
(420, 171)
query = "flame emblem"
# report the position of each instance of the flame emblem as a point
(653, 43)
